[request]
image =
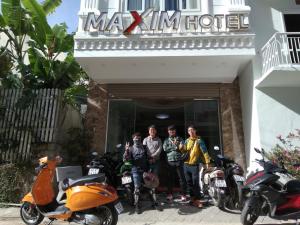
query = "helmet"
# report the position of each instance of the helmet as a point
(151, 180)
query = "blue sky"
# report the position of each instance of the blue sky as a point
(66, 12)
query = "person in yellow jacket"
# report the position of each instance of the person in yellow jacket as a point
(196, 154)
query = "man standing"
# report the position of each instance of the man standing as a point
(154, 147)
(195, 147)
(137, 154)
(172, 147)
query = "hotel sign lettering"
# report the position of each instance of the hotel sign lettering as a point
(153, 21)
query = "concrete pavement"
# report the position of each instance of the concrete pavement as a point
(172, 214)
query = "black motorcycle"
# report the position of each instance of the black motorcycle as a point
(234, 177)
(108, 164)
(127, 182)
(267, 197)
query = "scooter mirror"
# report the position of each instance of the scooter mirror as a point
(257, 150)
(95, 153)
(216, 148)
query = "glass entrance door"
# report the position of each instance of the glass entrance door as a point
(129, 116)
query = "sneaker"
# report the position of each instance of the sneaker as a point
(197, 204)
(138, 210)
(183, 198)
(170, 197)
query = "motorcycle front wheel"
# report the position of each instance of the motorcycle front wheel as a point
(249, 214)
(30, 215)
(108, 215)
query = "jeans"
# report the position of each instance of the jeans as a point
(176, 167)
(137, 175)
(191, 173)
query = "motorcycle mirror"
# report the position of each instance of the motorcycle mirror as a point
(118, 145)
(257, 150)
(95, 153)
(216, 148)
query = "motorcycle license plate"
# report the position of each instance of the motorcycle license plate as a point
(221, 183)
(126, 180)
(238, 178)
(119, 207)
(93, 171)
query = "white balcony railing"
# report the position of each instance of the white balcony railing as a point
(89, 6)
(237, 2)
(283, 49)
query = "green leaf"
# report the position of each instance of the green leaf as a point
(13, 15)
(2, 22)
(49, 6)
(60, 41)
(39, 19)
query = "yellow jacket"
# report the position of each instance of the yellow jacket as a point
(198, 151)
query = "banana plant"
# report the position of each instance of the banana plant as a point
(28, 34)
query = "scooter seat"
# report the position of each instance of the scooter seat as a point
(68, 183)
(293, 186)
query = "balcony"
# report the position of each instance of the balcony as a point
(190, 49)
(281, 61)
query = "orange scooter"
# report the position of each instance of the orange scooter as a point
(89, 200)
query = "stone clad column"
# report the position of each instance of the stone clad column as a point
(232, 124)
(96, 116)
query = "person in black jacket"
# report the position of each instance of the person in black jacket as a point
(138, 156)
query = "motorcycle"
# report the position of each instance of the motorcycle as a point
(214, 184)
(234, 177)
(107, 164)
(89, 200)
(267, 197)
(127, 182)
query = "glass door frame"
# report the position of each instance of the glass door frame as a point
(219, 119)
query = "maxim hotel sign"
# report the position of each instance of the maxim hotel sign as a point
(154, 21)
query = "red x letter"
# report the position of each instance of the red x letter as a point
(137, 20)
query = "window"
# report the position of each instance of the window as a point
(171, 5)
(152, 3)
(142, 4)
(134, 5)
(190, 4)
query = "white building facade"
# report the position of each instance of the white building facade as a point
(228, 66)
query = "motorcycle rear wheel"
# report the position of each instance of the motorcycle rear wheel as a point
(129, 196)
(30, 215)
(219, 201)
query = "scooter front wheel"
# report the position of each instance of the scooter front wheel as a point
(249, 214)
(108, 214)
(30, 215)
